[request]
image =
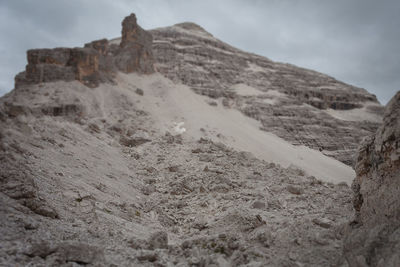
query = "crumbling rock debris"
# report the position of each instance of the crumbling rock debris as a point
(17, 183)
(134, 140)
(294, 189)
(323, 222)
(159, 240)
(79, 253)
(258, 205)
(139, 92)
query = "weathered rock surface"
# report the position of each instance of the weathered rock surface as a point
(135, 53)
(68, 64)
(302, 106)
(376, 241)
(378, 170)
(97, 62)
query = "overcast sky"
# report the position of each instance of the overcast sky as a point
(356, 41)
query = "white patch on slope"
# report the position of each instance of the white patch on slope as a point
(254, 67)
(357, 114)
(168, 102)
(178, 127)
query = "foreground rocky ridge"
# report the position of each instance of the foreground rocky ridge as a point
(302, 106)
(376, 239)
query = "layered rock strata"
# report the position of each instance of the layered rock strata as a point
(375, 241)
(95, 63)
(302, 106)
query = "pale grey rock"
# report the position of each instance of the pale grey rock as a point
(159, 240)
(323, 222)
(133, 141)
(80, 253)
(258, 205)
(296, 190)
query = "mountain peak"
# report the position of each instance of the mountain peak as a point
(191, 26)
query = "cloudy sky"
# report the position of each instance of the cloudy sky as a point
(356, 41)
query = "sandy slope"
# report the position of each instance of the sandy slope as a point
(69, 183)
(171, 103)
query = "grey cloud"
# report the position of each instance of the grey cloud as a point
(355, 41)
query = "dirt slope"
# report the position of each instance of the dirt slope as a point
(89, 177)
(170, 103)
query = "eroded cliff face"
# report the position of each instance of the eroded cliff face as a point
(97, 62)
(377, 196)
(302, 106)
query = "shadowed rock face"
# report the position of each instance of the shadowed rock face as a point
(95, 63)
(135, 53)
(292, 102)
(377, 195)
(377, 184)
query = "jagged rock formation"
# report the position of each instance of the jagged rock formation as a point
(135, 53)
(302, 106)
(95, 63)
(377, 196)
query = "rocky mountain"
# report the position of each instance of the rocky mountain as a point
(172, 148)
(301, 106)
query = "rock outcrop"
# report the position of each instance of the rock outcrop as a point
(302, 106)
(376, 241)
(67, 64)
(135, 52)
(95, 63)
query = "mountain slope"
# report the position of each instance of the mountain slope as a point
(301, 106)
(171, 104)
(105, 178)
